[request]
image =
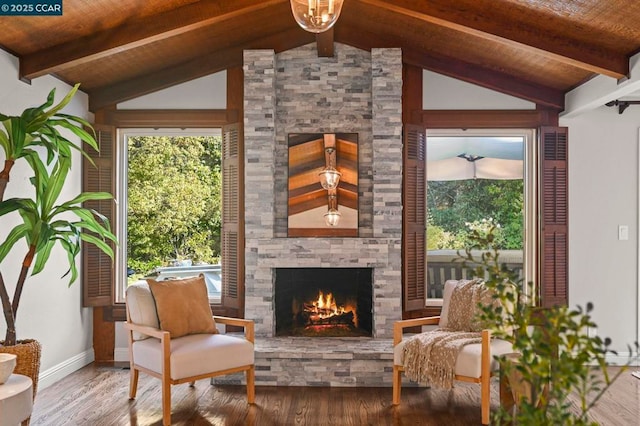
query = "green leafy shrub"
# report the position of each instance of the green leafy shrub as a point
(558, 359)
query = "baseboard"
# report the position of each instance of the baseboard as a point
(62, 370)
(121, 354)
(623, 358)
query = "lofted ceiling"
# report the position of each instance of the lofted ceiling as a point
(533, 49)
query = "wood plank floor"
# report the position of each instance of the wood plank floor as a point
(98, 396)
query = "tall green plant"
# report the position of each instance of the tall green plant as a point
(44, 217)
(558, 359)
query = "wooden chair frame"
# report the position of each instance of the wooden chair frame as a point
(485, 375)
(165, 375)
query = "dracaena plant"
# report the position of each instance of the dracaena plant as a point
(561, 370)
(45, 219)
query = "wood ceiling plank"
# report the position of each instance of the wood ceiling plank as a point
(515, 29)
(197, 67)
(137, 33)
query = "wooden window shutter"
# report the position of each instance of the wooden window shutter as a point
(414, 218)
(554, 206)
(98, 270)
(232, 215)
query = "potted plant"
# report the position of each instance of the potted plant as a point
(45, 219)
(555, 358)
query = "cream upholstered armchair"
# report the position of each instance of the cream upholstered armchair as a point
(474, 362)
(173, 336)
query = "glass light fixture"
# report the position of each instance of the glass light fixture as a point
(332, 217)
(329, 176)
(316, 16)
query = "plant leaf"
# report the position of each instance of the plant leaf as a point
(16, 234)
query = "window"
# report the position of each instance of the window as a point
(475, 180)
(169, 192)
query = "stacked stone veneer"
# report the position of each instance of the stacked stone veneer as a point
(298, 92)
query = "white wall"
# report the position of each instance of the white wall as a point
(442, 92)
(49, 311)
(603, 194)
(208, 92)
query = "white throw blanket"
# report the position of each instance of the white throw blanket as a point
(430, 357)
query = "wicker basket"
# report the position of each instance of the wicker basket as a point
(28, 352)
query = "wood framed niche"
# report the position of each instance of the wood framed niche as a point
(310, 205)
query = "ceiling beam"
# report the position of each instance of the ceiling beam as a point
(135, 34)
(324, 42)
(195, 68)
(600, 90)
(487, 78)
(470, 17)
(502, 82)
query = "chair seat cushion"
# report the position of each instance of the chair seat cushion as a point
(469, 362)
(195, 354)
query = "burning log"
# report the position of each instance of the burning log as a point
(325, 311)
(345, 318)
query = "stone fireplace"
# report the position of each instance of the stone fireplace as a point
(296, 91)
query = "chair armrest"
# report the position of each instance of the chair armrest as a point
(399, 326)
(248, 325)
(145, 329)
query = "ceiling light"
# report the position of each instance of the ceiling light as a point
(332, 216)
(316, 16)
(329, 178)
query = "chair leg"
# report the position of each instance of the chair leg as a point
(166, 401)
(251, 385)
(133, 383)
(397, 381)
(485, 376)
(192, 384)
(485, 392)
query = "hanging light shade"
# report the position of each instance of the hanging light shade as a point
(332, 217)
(329, 178)
(316, 16)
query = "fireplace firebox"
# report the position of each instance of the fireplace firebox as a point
(323, 302)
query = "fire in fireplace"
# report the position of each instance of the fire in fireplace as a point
(323, 302)
(325, 312)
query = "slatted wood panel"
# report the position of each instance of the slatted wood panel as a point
(554, 206)
(414, 220)
(98, 276)
(232, 244)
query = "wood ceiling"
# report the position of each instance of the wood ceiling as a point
(533, 49)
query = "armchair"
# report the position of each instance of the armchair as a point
(184, 358)
(474, 363)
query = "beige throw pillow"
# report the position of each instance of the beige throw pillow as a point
(183, 306)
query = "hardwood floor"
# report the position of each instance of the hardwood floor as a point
(98, 396)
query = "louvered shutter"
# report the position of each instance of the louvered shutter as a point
(414, 220)
(232, 236)
(554, 202)
(98, 270)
